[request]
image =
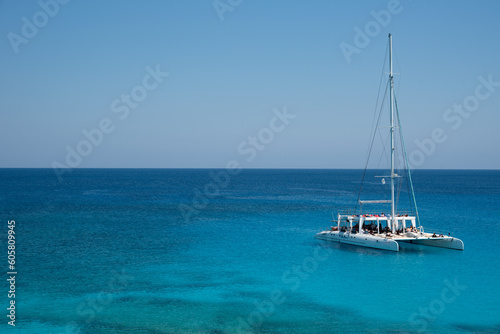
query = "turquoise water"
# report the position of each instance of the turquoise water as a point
(175, 251)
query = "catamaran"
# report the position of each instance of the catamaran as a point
(374, 228)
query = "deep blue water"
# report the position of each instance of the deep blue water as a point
(174, 251)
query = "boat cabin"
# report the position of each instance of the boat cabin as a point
(376, 223)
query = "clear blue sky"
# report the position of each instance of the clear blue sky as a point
(226, 77)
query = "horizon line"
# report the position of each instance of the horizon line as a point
(251, 168)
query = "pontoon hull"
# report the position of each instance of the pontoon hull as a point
(363, 240)
(447, 242)
(389, 243)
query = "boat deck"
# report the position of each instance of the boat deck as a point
(402, 237)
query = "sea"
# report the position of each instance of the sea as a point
(233, 251)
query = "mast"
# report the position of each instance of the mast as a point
(391, 104)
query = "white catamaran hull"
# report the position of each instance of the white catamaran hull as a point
(446, 242)
(389, 243)
(364, 240)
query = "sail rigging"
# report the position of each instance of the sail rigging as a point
(374, 228)
(395, 178)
